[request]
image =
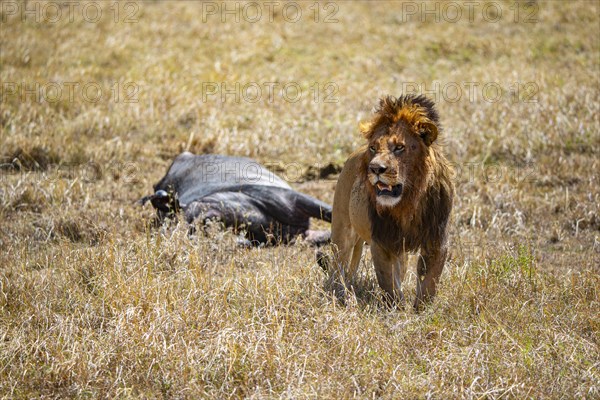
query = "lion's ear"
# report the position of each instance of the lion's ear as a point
(428, 132)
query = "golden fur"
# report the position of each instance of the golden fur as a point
(395, 194)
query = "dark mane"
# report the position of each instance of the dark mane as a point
(427, 225)
(390, 105)
(410, 108)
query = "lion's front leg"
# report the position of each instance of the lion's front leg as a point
(390, 269)
(429, 269)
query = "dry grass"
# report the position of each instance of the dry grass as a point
(93, 304)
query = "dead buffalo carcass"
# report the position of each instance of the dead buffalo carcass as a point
(241, 194)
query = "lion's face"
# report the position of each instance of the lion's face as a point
(395, 159)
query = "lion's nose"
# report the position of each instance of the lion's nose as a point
(377, 169)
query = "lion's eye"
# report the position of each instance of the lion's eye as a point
(372, 149)
(398, 149)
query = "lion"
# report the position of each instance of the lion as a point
(395, 193)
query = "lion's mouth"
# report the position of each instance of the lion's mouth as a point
(383, 189)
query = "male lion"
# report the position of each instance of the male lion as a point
(395, 193)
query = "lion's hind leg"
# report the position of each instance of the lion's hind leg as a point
(355, 259)
(346, 258)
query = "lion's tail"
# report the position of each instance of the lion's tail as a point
(323, 260)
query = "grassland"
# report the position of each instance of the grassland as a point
(94, 304)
